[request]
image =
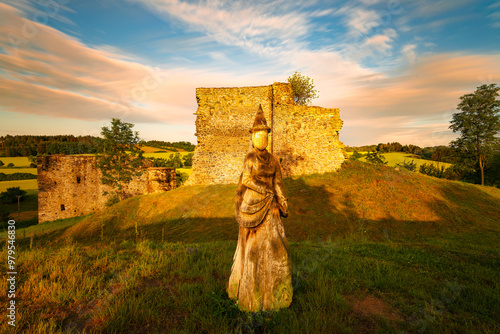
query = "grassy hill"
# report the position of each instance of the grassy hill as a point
(363, 198)
(373, 250)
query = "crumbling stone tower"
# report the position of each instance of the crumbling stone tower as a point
(304, 138)
(70, 185)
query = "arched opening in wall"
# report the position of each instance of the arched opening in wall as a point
(78, 179)
(62, 207)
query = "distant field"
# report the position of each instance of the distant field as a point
(394, 158)
(23, 184)
(188, 171)
(165, 155)
(17, 161)
(149, 149)
(18, 170)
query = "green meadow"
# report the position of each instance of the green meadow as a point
(374, 250)
(393, 158)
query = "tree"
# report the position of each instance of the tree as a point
(10, 196)
(10, 165)
(175, 160)
(1, 163)
(120, 157)
(188, 159)
(478, 124)
(32, 161)
(303, 89)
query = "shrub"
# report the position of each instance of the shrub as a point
(431, 170)
(17, 176)
(355, 155)
(112, 200)
(10, 165)
(180, 178)
(376, 158)
(411, 166)
(10, 196)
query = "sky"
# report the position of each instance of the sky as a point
(395, 68)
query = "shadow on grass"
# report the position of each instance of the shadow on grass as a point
(322, 207)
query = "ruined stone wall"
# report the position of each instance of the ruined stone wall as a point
(304, 138)
(223, 119)
(307, 139)
(70, 186)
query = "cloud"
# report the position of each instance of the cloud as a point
(408, 52)
(45, 71)
(380, 43)
(418, 99)
(495, 17)
(253, 26)
(429, 8)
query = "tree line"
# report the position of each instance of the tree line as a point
(23, 146)
(436, 153)
(474, 155)
(171, 146)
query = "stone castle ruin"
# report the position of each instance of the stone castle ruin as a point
(70, 186)
(304, 138)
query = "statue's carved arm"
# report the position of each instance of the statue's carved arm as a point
(280, 192)
(251, 182)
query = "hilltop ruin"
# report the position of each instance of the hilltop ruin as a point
(304, 138)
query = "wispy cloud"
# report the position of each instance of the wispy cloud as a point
(48, 72)
(430, 8)
(421, 99)
(257, 27)
(409, 53)
(495, 18)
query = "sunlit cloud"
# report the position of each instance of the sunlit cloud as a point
(366, 57)
(48, 72)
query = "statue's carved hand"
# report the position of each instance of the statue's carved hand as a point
(284, 209)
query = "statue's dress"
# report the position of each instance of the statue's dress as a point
(261, 274)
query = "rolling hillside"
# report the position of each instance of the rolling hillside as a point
(376, 202)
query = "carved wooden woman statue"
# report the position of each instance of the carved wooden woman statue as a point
(261, 274)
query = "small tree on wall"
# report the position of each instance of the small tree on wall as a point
(303, 88)
(120, 157)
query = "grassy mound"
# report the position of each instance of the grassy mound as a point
(362, 200)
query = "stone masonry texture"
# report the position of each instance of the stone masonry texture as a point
(304, 138)
(70, 186)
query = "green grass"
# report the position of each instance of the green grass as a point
(447, 285)
(373, 251)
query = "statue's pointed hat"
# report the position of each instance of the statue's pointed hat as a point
(260, 123)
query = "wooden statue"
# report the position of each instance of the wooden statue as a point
(261, 276)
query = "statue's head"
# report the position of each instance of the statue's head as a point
(260, 131)
(260, 139)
